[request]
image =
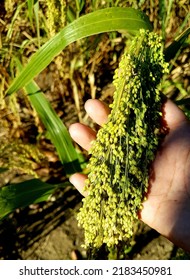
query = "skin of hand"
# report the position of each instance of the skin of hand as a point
(167, 206)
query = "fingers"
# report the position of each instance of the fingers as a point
(97, 110)
(82, 135)
(78, 180)
(172, 115)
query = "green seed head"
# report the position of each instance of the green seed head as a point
(125, 146)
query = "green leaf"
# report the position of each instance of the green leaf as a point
(184, 101)
(57, 131)
(172, 50)
(104, 20)
(23, 194)
(30, 4)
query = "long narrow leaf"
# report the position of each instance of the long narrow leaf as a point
(184, 101)
(30, 4)
(104, 20)
(57, 131)
(23, 194)
(36, 14)
(172, 50)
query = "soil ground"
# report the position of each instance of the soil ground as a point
(49, 231)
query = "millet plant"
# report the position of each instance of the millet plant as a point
(121, 156)
(125, 146)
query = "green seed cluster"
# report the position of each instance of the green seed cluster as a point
(125, 146)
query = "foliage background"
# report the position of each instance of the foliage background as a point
(84, 70)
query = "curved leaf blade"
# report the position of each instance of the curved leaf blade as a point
(57, 131)
(171, 51)
(22, 194)
(104, 20)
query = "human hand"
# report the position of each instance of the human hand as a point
(167, 208)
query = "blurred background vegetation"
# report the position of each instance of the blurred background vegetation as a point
(83, 70)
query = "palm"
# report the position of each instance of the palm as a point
(167, 208)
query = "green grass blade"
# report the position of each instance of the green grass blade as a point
(172, 50)
(30, 4)
(11, 27)
(104, 20)
(23, 194)
(57, 131)
(36, 14)
(184, 101)
(33, 11)
(162, 15)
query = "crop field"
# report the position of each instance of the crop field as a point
(54, 56)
